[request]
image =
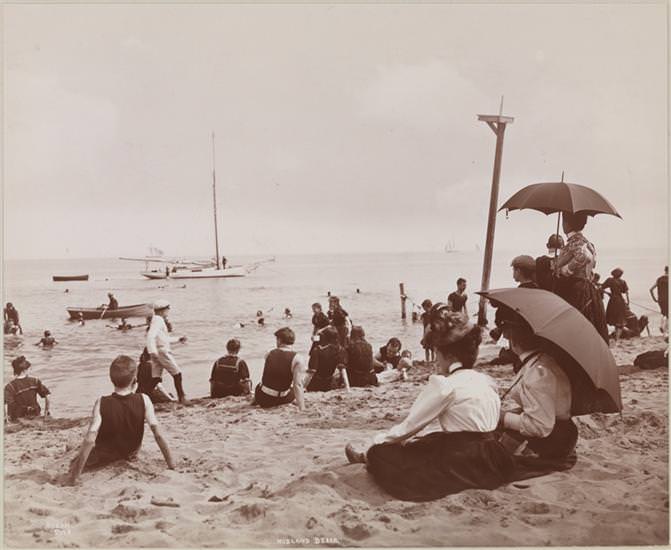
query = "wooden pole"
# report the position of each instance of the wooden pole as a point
(403, 298)
(498, 126)
(214, 199)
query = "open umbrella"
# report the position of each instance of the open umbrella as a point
(586, 353)
(560, 196)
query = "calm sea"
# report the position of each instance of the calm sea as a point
(207, 311)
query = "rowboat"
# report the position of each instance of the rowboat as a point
(102, 312)
(61, 278)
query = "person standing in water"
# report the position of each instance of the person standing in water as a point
(11, 314)
(158, 347)
(47, 341)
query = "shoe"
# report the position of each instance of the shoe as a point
(353, 456)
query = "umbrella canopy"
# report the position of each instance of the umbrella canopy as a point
(558, 322)
(559, 196)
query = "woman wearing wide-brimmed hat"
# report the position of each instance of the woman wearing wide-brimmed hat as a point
(616, 312)
(465, 453)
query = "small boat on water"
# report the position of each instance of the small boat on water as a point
(103, 312)
(62, 278)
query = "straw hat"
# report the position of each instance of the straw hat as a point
(161, 304)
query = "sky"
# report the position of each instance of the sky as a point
(338, 128)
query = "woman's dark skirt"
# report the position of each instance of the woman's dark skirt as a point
(616, 311)
(585, 297)
(554, 453)
(440, 464)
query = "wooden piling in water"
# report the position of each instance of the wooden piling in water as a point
(403, 299)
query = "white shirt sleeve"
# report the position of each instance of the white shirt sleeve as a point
(152, 335)
(433, 399)
(537, 395)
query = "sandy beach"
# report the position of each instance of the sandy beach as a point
(249, 477)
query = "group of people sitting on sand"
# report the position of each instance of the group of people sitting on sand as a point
(483, 440)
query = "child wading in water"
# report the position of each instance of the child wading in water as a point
(117, 426)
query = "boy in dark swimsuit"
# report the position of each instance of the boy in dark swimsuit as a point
(117, 426)
(21, 393)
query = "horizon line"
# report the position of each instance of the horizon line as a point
(336, 253)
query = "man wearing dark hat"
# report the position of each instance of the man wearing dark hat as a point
(545, 278)
(283, 374)
(524, 270)
(21, 393)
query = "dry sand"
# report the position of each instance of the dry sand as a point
(249, 477)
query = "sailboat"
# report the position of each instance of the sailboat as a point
(177, 268)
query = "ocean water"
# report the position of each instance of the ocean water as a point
(207, 311)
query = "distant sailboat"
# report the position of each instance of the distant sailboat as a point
(197, 269)
(450, 246)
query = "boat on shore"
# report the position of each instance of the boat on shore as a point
(63, 278)
(103, 312)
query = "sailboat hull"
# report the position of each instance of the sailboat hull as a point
(209, 273)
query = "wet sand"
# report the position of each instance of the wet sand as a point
(249, 477)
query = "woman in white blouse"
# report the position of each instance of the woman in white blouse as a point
(465, 453)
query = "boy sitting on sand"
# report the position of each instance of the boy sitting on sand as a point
(117, 426)
(21, 393)
(230, 374)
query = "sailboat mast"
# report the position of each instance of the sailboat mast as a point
(214, 199)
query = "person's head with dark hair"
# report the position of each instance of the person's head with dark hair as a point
(123, 371)
(666, 270)
(427, 304)
(454, 338)
(328, 336)
(334, 302)
(617, 273)
(316, 307)
(520, 335)
(524, 268)
(461, 284)
(357, 333)
(285, 336)
(555, 242)
(393, 346)
(573, 222)
(20, 364)
(233, 346)
(47, 333)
